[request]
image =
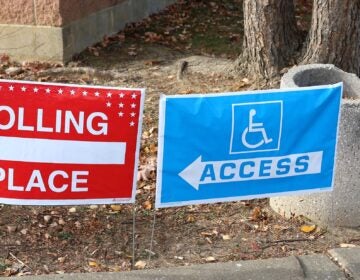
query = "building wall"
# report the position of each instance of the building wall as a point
(54, 30)
(16, 12)
(50, 12)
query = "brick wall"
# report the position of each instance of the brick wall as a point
(49, 12)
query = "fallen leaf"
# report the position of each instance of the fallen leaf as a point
(153, 37)
(145, 135)
(46, 268)
(208, 240)
(11, 229)
(210, 259)
(47, 218)
(93, 264)
(140, 264)
(94, 51)
(146, 172)
(149, 187)
(246, 81)
(115, 268)
(72, 210)
(153, 148)
(226, 237)
(256, 214)
(307, 228)
(264, 228)
(346, 245)
(153, 130)
(206, 233)
(116, 207)
(255, 246)
(147, 205)
(190, 219)
(121, 37)
(4, 58)
(152, 62)
(238, 85)
(105, 42)
(187, 91)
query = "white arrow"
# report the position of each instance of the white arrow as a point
(213, 172)
(192, 173)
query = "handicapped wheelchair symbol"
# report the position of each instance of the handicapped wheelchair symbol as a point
(255, 128)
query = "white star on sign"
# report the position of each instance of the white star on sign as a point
(133, 96)
(133, 114)
(23, 89)
(121, 114)
(132, 124)
(121, 105)
(11, 88)
(133, 105)
(109, 94)
(60, 91)
(108, 104)
(121, 95)
(36, 89)
(85, 93)
(97, 94)
(47, 90)
(72, 92)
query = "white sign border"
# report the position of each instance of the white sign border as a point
(71, 202)
(161, 131)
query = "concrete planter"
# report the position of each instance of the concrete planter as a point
(342, 206)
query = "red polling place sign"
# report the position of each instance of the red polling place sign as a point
(64, 144)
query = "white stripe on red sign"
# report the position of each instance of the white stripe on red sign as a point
(61, 151)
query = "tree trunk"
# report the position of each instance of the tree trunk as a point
(334, 35)
(270, 38)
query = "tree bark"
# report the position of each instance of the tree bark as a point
(334, 35)
(270, 38)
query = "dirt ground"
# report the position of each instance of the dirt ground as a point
(152, 54)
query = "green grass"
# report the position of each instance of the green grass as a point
(216, 44)
(2, 267)
(65, 235)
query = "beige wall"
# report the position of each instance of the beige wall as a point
(49, 12)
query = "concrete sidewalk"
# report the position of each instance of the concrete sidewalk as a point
(342, 263)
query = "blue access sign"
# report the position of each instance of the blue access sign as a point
(244, 145)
